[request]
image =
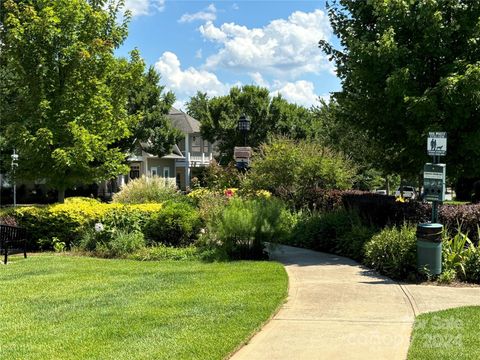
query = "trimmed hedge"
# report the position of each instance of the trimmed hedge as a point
(380, 210)
(69, 221)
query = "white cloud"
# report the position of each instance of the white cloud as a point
(198, 54)
(258, 79)
(300, 92)
(180, 105)
(285, 48)
(186, 82)
(235, 6)
(208, 14)
(144, 7)
(212, 33)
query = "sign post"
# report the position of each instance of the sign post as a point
(242, 156)
(434, 174)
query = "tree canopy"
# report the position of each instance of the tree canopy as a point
(146, 98)
(407, 68)
(269, 116)
(67, 103)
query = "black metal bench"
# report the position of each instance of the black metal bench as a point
(13, 239)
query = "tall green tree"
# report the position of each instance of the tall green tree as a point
(67, 92)
(268, 116)
(147, 99)
(407, 68)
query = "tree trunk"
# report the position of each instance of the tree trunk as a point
(61, 195)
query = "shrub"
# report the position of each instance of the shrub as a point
(147, 190)
(68, 222)
(113, 243)
(322, 231)
(289, 169)
(124, 243)
(210, 207)
(456, 250)
(63, 221)
(177, 225)
(323, 200)
(393, 252)
(472, 267)
(467, 217)
(218, 178)
(163, 252)
(199, 194)
(447, 276)
(351, 243)
(381, 210)
(245, 225)
(81, 200)
(130, 217)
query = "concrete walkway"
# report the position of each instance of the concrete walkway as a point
(338, 309)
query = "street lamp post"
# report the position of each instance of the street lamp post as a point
(243, 154)
(14, 168)
(244, 127)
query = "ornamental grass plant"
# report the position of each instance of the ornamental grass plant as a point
(147, 190)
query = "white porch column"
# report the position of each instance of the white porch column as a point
(210, 151)
(121, 180)
(187, 160)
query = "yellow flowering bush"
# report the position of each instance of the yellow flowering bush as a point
(68, 221)
(263, 194)
(198, 194)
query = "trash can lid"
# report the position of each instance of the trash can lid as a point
(431, 226)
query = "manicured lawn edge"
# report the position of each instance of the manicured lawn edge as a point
(448, 334)
(257, 330)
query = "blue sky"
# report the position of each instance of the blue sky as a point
(212, 45)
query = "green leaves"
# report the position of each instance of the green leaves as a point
(64, 101)
(407, 68)
(268, 116)
(290, 169)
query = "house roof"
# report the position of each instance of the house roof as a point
(183, 122)
(175, 154)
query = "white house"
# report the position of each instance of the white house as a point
(186, 159)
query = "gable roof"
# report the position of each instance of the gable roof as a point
(183, 122)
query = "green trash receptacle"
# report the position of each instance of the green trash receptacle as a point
(429, 248)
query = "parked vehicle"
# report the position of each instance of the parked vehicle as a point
(408, 192)
(381, 192)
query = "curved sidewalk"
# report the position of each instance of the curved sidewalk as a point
(338, 309)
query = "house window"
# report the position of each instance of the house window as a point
(166, 172)
(154, 171)
(181, 145)
(197, 143)
(134, 171)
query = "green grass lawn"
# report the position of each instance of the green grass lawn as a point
(66, 307)
(450, 334)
